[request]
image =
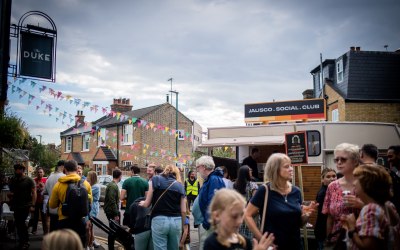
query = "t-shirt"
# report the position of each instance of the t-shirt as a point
(212, 243)
(283, 219)
(22, 189)
(48, 189)
(135, 187)
(39, 189)
(170, 202)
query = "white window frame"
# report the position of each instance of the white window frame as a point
(68, 144)
(85, 142)
(181, 134)
(339, 71)
(335, 115)
(127, 163)
(101, 137)
(127, 132)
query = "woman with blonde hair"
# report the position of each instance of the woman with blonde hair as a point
(64, 239)
(94, 211)
(284, 214)
(226, 213)
(167, 196)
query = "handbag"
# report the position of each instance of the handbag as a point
(147, 219)
(264, 213)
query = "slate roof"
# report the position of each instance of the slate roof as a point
(77, 157)
(368, 76)
(373, 75)
(137, 113)
(109, 154)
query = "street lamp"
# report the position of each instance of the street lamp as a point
(40, 140)
(176, 120)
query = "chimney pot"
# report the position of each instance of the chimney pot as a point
(352, 48)
(358, 48)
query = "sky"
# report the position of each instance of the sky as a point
(220, 54)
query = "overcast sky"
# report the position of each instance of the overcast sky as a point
(221, 54)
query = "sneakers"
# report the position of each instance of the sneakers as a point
(95, 244)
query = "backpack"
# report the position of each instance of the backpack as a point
(76, 204)
(138, 216)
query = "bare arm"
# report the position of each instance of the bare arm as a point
(122, 195)
(149, 197)
(249, 212)
(183, 210)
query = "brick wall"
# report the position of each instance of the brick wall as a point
(373, 112)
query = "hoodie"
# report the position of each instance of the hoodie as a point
(213, 182)
(60, 190)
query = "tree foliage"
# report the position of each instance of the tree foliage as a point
(13, 131)
(42, 156)
(225, 152)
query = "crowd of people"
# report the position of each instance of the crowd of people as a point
(356, 206)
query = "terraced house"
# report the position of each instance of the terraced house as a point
(125, 136)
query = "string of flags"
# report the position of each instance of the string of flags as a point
(66, 118)
(92, 107)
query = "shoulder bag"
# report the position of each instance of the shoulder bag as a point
(264, 213)
(147, 222)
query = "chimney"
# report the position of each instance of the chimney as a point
(308, 94)
(121, 105)
(79, 118)
(358, 48)
(352, 48)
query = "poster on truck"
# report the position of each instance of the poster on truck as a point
(296, 147)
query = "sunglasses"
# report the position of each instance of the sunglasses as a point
(341, 159)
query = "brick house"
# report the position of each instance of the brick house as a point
(124, 137)
(360, 86)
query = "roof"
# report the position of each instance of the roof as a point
(137, 113)
(17, 154)
(373, 75)
(324, 63)
(104, 154)
(76, 156)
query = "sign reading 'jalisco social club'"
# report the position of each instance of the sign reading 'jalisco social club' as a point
(300, 109)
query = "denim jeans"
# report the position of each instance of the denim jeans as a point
(166, 232)
(143, 241)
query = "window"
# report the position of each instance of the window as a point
(101, 137)
(68, 144)
(335, 115)
(127, 131)
(85, 142)
(126, 163)
(181, 134)
(339, 70)
(314, 143)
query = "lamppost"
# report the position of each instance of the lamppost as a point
(40, 140)
(176, 120)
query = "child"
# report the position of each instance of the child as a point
(327, 176)
(226, 212)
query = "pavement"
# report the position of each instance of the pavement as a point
(7, 242)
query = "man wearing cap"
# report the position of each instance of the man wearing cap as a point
(23, 198)
(48, 188)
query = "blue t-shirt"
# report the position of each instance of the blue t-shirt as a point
(283, 218)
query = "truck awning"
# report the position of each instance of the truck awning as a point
(244, 141)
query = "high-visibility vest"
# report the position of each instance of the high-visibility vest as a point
(192, 189)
